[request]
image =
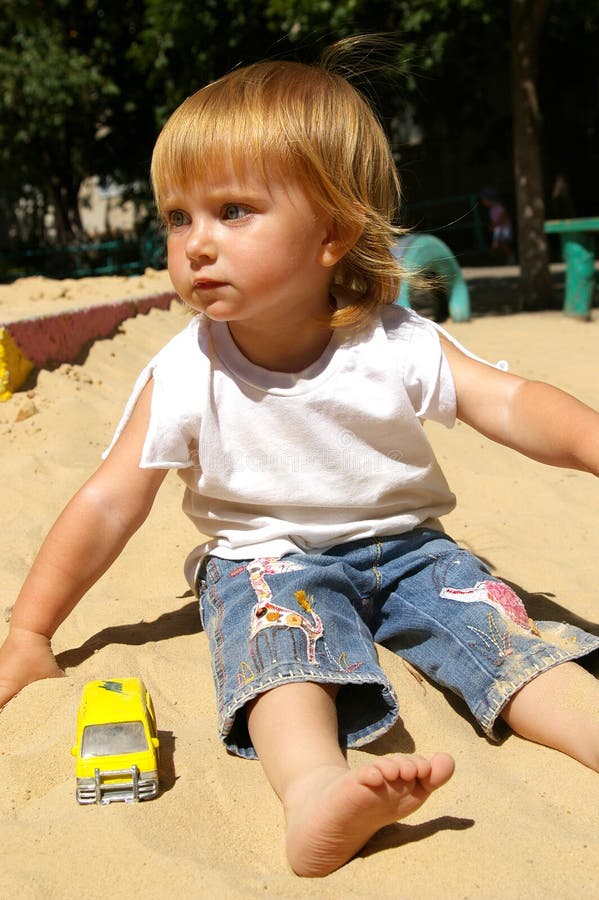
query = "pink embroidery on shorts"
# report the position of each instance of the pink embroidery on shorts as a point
(345, 666)
(266, 614)
(267, 565)
(495, 594)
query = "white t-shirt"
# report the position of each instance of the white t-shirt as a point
(275, 463)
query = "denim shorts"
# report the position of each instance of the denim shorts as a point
(316, 617)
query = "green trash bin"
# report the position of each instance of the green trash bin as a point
(577, 238)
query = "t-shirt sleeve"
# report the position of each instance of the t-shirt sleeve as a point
(172, 436)
(140, 383)
(426, 371)
(427, 375)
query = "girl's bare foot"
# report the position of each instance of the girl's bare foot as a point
(332, 812)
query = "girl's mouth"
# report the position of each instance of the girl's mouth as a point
(207, 285)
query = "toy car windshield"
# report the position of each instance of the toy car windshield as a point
(114, 738)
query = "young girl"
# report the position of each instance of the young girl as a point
(292, 407)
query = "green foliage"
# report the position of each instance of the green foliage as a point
(301, 18)
(43, 81)
(64, 104)
(47, 84)
(86, 84)
(183, 45)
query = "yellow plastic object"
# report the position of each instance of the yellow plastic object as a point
(117, 745)
(14, 365)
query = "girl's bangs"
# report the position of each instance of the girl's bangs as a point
(204, 145)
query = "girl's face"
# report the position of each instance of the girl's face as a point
(258, 256)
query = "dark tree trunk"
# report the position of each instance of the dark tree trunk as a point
(526, 17)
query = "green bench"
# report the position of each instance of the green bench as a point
(577, 238)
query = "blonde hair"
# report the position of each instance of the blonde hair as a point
(308, 123)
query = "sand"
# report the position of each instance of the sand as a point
(516, 821)
(39, 296)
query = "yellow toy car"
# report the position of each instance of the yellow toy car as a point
(117, 745)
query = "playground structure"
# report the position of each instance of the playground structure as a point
(425, 253)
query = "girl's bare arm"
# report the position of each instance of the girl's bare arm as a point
(537, 419)
(85, 540)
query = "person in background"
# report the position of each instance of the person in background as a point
(502, 230)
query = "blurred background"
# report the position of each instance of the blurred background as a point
(479, 100)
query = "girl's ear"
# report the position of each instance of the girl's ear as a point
(337, 243)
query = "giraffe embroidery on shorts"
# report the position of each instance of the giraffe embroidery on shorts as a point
(267, 615)
(270, 615)
(496, 594)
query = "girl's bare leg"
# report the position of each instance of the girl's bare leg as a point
(560, 709)
(331, 810)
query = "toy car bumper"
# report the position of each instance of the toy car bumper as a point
(125, 785)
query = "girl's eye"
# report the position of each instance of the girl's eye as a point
(233, 211)
(176, 218)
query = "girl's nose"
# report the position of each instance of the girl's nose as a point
(200, 242)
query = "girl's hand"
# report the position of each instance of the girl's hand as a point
(25, 657)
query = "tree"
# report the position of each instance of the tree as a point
(526, 17)
(64, 114)
(184, 44)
